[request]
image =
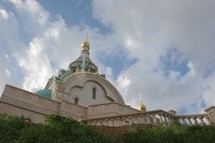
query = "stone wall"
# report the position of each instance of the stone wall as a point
(109, 110)
(15, 101)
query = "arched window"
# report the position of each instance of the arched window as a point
(94, 93)
(76, 100)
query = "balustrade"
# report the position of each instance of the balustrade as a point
(199, 119)
(157, 117)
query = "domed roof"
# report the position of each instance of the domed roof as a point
(45, 93)
(86, 44)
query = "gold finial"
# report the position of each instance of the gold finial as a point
(142, 107)
(86, 43)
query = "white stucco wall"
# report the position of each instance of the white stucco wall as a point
(85, 94)
(80, 85)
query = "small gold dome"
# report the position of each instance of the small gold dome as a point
(86, 44)
(142, 107)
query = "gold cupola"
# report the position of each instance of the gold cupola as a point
(142, 107)
(86, 44)
(85, 47)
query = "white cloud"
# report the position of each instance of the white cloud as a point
(32, 9)
(191, 67)
(5, 73)
(9, 31)
(209, 92)
(147, 29)
(8, 73)
(9, 39)
(123, 83)
(108, 73)
(3, 14)
(36, 66)
(31, 16)
(49, 45)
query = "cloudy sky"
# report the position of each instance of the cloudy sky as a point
(164, 50)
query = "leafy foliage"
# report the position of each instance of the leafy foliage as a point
(172, 134)
(10, 127)
(57, 129)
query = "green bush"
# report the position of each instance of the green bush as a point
(10, 127)
(172, 134)
(57, 129)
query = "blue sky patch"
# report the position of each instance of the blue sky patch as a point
(119, 62)
(175, 61)
(74, 13)
(182, 110)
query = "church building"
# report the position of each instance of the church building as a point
(79, 92)
(83, 94)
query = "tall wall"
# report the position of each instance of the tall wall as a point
(15, 101)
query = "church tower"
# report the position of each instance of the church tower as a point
(81, 83)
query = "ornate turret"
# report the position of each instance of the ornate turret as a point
(85, 47)
(83, 63)
(81, 83)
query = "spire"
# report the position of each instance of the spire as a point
(142, 107)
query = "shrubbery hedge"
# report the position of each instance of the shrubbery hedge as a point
(173, 134)
(58, 129)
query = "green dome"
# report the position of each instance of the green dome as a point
(45, 93)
